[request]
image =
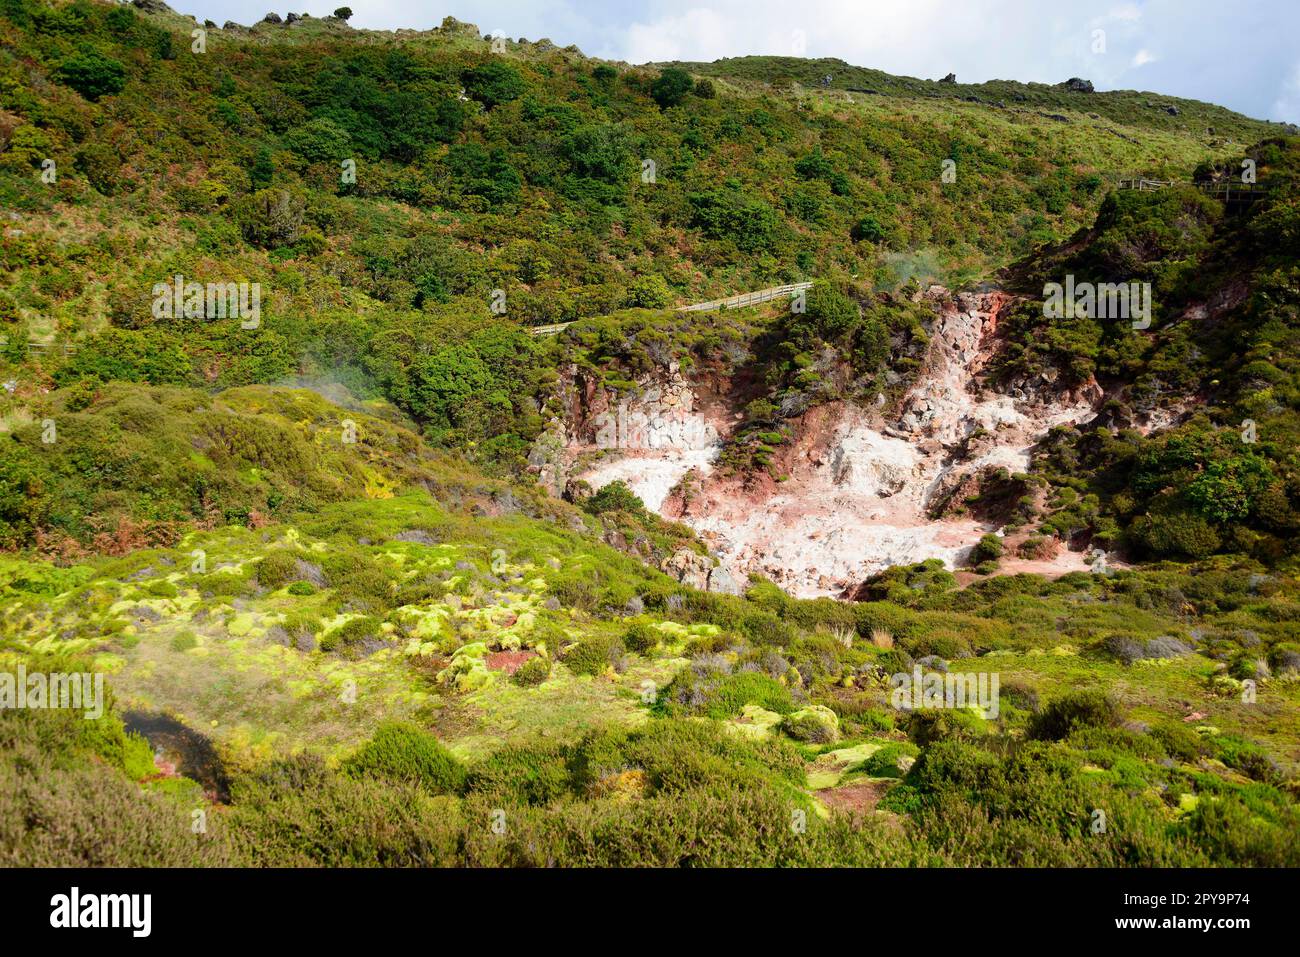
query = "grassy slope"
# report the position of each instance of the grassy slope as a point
(1131, 108)
(228, 651)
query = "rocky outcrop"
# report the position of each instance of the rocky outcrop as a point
(861, 487)
(700, 571)
(452, 27)
(650, 437)
(660, 413)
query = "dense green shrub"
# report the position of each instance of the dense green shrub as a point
(1076, 709)
(928, 725)
(351, 635)
(493, 83)
(532, 672)
(614, 497)
(593, 655)
(92, 74)
(641, 638)
(815, 724)
(671, 87)
(534, 774)
(988, 549)
(277, 569)
(403, 752)
(1247, 757)
(730, 695)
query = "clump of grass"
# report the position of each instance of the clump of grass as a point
(184, 640)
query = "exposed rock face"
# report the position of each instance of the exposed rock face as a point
(699, 571)
(453, 27)
(654, 436)
(865, 487)
(1078, 85)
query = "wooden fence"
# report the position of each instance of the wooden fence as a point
(731, 302)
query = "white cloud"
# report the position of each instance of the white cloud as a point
(1287, 104)
(689, 36)
(1143, 57)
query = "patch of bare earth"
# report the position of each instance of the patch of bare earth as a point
(508, 661)
(858, 799)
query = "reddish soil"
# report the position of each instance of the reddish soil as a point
(858, 799)
(508, 661)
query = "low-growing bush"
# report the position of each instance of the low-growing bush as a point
(1178, 740)
(1076, 709)
(1247, 757)
(277, 569)
(351, 635)
(641, 639)
(403, 752)
(532, 672)
(987, 550)
(928, 725)
(814, 725)
(593, 655)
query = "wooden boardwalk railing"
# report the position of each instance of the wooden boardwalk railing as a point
(746, 299)
(37, 348)
(731, 302)
(1145, 185)
(1230, 191)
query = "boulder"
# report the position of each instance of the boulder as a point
(690, 568)
(815, 724)
(722, 581)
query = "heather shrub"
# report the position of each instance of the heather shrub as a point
(1076, 709)
(402, 752)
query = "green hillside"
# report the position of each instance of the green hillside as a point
(305, 541)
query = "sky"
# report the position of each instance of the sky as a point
(1242, 55)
